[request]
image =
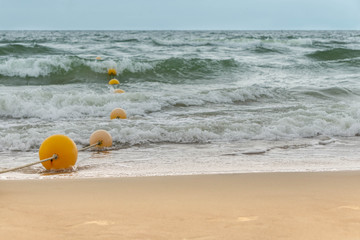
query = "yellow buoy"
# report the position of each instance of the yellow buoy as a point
(119, 91)
(112, 71)
(63, 147)
(114, 81)
(118, 113)
(98, 58)
(101, 136)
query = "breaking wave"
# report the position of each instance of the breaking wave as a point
(335, 54)
(71, 69)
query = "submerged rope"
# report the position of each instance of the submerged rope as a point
(93, 145)
(54, 157)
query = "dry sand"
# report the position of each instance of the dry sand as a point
(240, 206)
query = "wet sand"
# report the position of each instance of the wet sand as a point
(234, 206)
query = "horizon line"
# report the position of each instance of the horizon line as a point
(179, 30)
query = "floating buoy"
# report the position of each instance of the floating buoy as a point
(119, 91)
(63, 147)
(118, 113)
(98, 58)
(101, 136)
(112, 71)
(114, 81)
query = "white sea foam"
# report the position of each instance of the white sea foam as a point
(188, 159)
(190, 116)
(44, 66)
(34, 67)
(120, 65)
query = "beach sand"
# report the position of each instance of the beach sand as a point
(234, 206)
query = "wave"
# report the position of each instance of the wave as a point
(182, 43)
(18, 49)
(335, 54)
(263, 49)
(182, 66)
(61, 70)
(27, 134)
(70, 69)
(127, 40)
(328, 93)
(70, 102)
(244, 42)
(157, 115)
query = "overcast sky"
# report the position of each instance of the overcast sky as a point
(179, 14)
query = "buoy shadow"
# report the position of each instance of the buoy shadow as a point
(59, 171)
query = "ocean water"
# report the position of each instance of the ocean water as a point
(198, 102)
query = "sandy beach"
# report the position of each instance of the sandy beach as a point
(235, 206)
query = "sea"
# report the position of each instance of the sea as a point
(197, 102)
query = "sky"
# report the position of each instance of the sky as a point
(179, 14)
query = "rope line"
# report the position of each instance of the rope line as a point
(93, 145)
(54, 157)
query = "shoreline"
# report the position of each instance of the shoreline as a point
(301, 155)
(45, 176)
(62, 178)
(320, 205)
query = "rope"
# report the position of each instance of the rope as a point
(54, 157)
(93, 145)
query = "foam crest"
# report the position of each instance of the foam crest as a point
(34, 67)
(122, 65)
(50, 65)
(93, 100)
(27, 134)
